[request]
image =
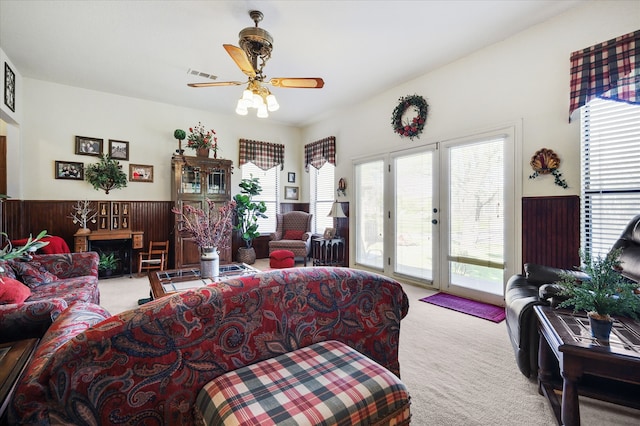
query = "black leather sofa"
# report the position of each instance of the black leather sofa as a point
(535, 287)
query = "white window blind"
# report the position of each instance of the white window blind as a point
(610, 159)
(269, 181)
(322, 196)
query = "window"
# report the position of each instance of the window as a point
(610, 151)
(322, 197)
(269, 180)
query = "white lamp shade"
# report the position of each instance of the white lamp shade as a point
(241, 109)
(272, 103)
(336, 211)
(262, 111)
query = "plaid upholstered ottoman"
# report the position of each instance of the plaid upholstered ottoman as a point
(327, 383)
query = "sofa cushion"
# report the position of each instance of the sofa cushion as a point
(13, 291)
(293, 235)
(78, 289)
(33, 274)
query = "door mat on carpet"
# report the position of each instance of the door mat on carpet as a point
(467, 306)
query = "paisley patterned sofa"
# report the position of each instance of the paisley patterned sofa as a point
(51, 283)
(146, 366)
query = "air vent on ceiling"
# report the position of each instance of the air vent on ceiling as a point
(202, 74)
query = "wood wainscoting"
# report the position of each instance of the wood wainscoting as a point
(551, 231)
(23, 217)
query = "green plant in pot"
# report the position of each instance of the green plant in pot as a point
(606, 294)
(248, 212)
(108, 263)
(106, 174)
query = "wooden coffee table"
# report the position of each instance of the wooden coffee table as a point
(13, 359)
(172, 281)
(610, 372)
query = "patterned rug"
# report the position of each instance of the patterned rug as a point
(467, 306)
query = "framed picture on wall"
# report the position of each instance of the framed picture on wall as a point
(9, 87)
(69, 170)
(290, 192)
(140, 173)
(329, 233)
(291, 178)
(88, 146)
(119, 150)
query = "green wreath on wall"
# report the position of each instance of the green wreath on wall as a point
(412, 128)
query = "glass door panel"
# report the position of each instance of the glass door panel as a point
(476, 217)
(414, 212)
(216, 184)
(370, 217)
(190, 180)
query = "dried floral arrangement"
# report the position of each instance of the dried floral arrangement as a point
(210, 228)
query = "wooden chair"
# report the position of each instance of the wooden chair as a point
(155, 258)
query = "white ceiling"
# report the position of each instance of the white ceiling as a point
(143, 49)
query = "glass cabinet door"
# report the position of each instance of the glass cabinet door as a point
(216, 184)
(190, 181)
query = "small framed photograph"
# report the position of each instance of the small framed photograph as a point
(119, 150)
(290, 192)
(329, 233)
(88, 146)
(9, 87)
(140, 173)
(291, 178)
(69, 170)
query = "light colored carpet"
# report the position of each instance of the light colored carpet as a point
(459, 369)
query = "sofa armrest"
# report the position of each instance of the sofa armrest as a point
(28, 319)
(540, 274)
(70, 265)
(152, 361)
(30, 404)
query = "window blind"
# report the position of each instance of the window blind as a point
(610, 178)
(322, 196)
(270, 184)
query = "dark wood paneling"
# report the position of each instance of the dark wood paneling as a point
(551, 231)
(21, 218)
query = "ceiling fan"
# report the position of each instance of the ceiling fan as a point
(255, 49)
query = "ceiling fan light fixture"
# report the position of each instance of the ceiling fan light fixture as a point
(272, 103)
(262, 111)
(241, 109)
(247, 95)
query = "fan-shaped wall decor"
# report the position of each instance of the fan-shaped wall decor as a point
(545, 162)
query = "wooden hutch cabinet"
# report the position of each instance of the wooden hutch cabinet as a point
(196, 179)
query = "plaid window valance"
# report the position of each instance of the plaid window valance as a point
(265, 155)
(319, 152)
(609, 70)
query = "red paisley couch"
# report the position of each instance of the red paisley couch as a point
(54, 281)
(146, 366)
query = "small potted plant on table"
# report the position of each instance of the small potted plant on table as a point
(606, 294)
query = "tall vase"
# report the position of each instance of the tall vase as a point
(202, 152)
(209, 262)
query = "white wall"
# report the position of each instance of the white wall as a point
(525, 77)
(9, 127)
(54, 114)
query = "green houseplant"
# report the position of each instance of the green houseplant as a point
(106, 174)
(9, 252)
(248, 213)
(108, 263)
(606, 294)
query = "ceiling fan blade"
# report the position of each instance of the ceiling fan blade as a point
(302, 83)
(240, 58)
(217, 83)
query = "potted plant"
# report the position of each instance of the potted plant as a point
(202, 141)
(106, 174)
(108, 263)
(605, 294)
(248, 213)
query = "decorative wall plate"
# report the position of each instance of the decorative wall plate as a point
(544, 161)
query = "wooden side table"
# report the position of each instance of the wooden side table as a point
(328, 251)
(13, 359)
(609, 372)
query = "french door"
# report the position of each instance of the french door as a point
(441, 214)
